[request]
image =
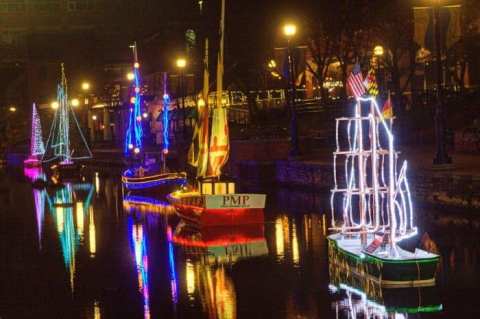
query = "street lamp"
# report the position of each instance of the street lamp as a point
(12, 109)
(75, 102)
(378, 53)
(181, 64)
(54, 105)
(441, 157)
(289, 30)
(85, 86)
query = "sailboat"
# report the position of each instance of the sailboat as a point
(66, 142)
(376, 212)
(214, 201)
(146, 175)
(37, 148)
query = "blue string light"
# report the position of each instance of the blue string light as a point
(166, 106)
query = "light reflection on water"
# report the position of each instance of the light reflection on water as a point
(141, 262)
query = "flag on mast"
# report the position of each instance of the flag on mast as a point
(387, 110)
(219, 139)
(355, 81)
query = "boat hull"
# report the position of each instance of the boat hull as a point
(158, 183)
(220, 210)
(388, 272)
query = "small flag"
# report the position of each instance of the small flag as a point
(371, 83)
(355, 82)
(387, 110)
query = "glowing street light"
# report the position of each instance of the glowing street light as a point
(12, 109)
(94, 117)
(54, 105)
(378, 51)
(75, 102)
(289, 30)
(130, 76)
(85, 86)
(181, 63)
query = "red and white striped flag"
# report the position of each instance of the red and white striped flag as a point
(355, 82)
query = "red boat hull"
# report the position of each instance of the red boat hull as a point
(220, 217)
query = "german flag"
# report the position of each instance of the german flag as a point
(387, 110)
(371, 83)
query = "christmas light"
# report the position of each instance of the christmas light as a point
(165, 122)
(384, 201)
(64, 125)
(36, 141)
(134, 131)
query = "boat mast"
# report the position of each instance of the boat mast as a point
(166, 126)
(361, 173)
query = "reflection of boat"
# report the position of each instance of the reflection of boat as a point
(37, 149)
(219, 244)
(359, 296)
(376, 205)
(137, 203)
(66, 142)
(70, 207)
(142, 175)
(214, 201)
(138, 240)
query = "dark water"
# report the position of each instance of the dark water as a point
(101, 258)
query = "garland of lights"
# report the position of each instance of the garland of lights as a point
(370, 170)
(36, 145)
(59, 137)
(166, 106)
(134, 134)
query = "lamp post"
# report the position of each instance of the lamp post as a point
(88, 124)
(181, 63)
(289, 30)
(378, 52)
(441, 157)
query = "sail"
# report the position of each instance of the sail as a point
(198, 152)
(134, 134)
(66, 141)
(36, 142)
(219, 139)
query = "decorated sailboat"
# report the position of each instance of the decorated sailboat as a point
(142, 174)
(66, 142)
(376, 211)
(37, 148)
(214, 201)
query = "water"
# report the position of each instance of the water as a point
(101, 258)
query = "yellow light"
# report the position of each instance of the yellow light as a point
(94, 117)
(136, 150)
(272, 64)
(201, 102)
(279, 239)
(54, 105)
(181, 63)
(130, 76)
(85, 86)
(289, 30)
(378, 50)
(136, 65)
(190, 278)
(13, 109)
(75, 102)
(80, 221)
(92, 240)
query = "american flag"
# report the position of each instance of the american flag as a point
(355, 81)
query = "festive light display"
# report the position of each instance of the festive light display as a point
(65, 131)
(36, 142)
(166, 106)
(139, 245)
(134, 134)
(375, 197)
